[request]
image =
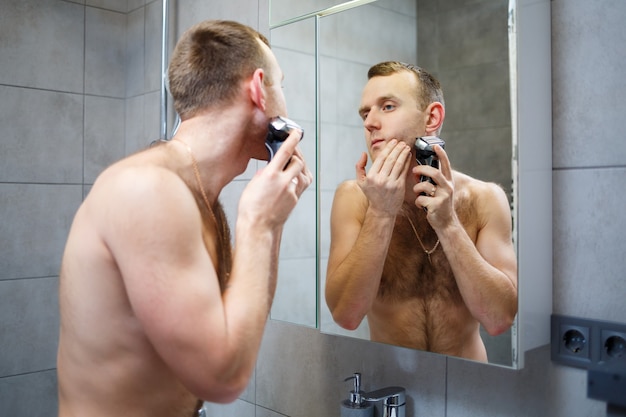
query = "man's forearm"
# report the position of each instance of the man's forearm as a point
(251, 288)
(352, 286)
(489, 293)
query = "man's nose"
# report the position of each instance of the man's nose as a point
(372, 121)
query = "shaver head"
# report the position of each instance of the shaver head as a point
(278, 131)
(424, 151)
(425, 154)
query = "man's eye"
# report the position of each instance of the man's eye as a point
(388, 107)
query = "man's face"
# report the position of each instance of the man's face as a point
(274, 100)
(276, 103)
(390, 110)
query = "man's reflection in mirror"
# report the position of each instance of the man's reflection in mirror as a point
(428, 262)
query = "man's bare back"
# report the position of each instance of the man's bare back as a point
(157, 312)
(107, 365)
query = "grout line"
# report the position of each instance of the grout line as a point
(28, 373)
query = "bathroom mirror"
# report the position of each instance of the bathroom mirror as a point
(296, 298)
(493, 60)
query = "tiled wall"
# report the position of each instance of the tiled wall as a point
(63, 90)
(60, 123)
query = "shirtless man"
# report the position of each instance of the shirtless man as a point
(157, 312)
(427, 264)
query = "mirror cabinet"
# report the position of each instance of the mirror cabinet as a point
(493, 60)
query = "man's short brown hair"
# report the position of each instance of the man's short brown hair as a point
(430, 90)
(210, 61)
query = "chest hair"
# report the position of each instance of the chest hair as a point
(408, 272)
(219, 249)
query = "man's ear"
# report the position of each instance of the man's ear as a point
(257, 91)
(436, 113)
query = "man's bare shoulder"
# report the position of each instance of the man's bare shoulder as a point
(479, 199)
(140, 192)
(349, 198)
(141, 175)
(349, 192)
(349, 186)
(473, 188)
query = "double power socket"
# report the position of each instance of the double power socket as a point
(584, 343)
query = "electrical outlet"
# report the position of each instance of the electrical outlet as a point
(574, 341)
(571, 341)
(613, 343)
(584, 342)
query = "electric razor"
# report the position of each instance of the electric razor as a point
(278, 131)
(425, 154)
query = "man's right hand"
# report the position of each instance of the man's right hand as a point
(274, 191)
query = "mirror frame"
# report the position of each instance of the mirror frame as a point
(529, 25)
(531, 96)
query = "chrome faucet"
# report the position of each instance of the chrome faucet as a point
(393, 398)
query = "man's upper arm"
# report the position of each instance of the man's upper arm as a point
(155, 236)
(494, 241)
(345, 224)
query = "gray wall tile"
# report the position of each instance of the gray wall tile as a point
(153, 39)
(476, 97)
(152, 120)
(30, 325)
(194, 11)
(482, 153)
(40, 35)
(42, 136)
(297, 37)
(134, 132)
(34, 223)
(540, 389)
(357, 42)
(589, 243)
(142, 121)
(587, 66)
(113, 5)
(104, 134)
(472, 35)
(295, 299)
(299, 85)
(24, 395)
(298, 239)
(135, 53)
(135, 4)
(105, 53)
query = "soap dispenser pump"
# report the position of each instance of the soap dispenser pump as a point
(355, 405)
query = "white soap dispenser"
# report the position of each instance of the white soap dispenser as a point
(355, 405)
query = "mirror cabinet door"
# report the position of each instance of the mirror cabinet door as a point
(296, 293)
(444, 41)
(348, 48)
